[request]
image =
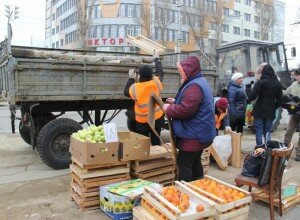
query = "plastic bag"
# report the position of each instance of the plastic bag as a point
(222, 145)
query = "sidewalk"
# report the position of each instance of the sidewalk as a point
(31, 190)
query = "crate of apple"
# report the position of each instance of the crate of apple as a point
(92, 134)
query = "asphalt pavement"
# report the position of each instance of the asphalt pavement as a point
(31, 190)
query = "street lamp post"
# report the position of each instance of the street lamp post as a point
(179, 37)
(8, 14)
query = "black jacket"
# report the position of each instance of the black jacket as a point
(158, 72)
(268, 92)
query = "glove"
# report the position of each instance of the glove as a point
(170, 100)
(155, 54)
(132, 74)
(248, 86)
(248, 101)
(227, 129)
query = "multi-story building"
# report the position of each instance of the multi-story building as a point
(201, 24)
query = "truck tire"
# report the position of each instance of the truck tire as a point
(24, 133)
(53, 142)
(276, 122)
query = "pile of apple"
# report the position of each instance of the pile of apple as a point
(91, 134)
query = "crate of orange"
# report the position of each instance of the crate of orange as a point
(230, 200)
(177, 202)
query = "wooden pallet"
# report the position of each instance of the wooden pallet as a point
(85, 204)
(287, 203)
(104, 171)
(92, 184)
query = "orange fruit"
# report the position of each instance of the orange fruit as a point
(241, 195)
(168, 197)
(200, 208)
(175, 200)
(182, 208)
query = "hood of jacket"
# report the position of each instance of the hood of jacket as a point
(268, 72)
(234, 83)
(191, 67)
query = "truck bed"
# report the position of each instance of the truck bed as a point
(37, 75)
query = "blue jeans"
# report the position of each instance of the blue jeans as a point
(262, 128)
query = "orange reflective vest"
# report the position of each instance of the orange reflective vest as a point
(140, 93)
(219, 119)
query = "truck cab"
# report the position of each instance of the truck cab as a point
(245, 56)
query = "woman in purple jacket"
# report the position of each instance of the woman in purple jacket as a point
(193, 119)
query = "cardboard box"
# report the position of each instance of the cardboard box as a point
(91, 153)
(133, 146)
(116, 206)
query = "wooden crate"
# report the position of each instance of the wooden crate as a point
(236, 209)
(162, 209)
(85, 204)
(158, 168)
(205, 161)
(140, 213)
(86, 180)
(287, 203)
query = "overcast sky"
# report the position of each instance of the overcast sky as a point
(29, 28)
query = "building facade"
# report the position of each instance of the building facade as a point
(201, 24)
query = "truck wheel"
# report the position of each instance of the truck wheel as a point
(24, 133)
(53, 142)
(277, 119)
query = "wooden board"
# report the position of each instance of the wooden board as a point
(139, 166)
(92, 184)
(236, 214)
(101, 172)
(158, 152)
(222, 164)
(141, 214)
(87, 168)
(154, 172)
(162, 178)
(80, 191)
(287, 203)
(236, 156)
(85, 204)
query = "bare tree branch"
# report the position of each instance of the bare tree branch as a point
(266, 12)
(144, 19)
(84, 14)
(162, 20)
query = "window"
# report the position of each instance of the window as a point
(247, 17)
(53, 31)
(225, 28)
(212, 26)
(265, 36)
(157, 33)
(248, 2)
(57, 29)
(237, 13)
(236, 30)
(53, 17)
(122, 31)
(62, 42)
(138, 11)
(247, 32)
(122, 11)
(212, 42)
(96, 11)
(256, 34)
(257, 20)
(185, 37)
(238, 1)
(57, 44)
(130, 11)
(106, 31)
(226, 11)
(113, 31)
(53, 45)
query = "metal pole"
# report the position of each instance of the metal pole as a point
(178, 50)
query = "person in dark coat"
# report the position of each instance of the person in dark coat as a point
(193, 118)
(268, 94)
(237, 102)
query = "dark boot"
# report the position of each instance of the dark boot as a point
(297, 154)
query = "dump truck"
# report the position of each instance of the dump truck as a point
(245, 56)
(44, 84)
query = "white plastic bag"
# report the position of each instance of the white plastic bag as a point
(222, 145)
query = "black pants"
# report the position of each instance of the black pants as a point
(189, 165)
(237, 124)
(144, 129)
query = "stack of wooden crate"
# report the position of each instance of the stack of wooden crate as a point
(205, 161)
(86, 180)
(159, 168)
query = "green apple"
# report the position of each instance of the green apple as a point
(100, 127)
(102, 139)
